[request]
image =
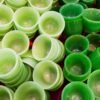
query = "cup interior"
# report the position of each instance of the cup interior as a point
(6, 15)
(77, 64)
(71, 10)
(41, 47)
(7, 61)
(45, 74)
(16, 40)
(26, 17)
(76, 44)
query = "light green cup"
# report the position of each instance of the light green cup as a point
(30, 91)
(6, 18)
(16, 40)
(48, 75)
(6, 93)
(26, 19)
(41, 5)
(52, 24)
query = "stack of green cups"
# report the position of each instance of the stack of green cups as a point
(47, 48)
(26, 19)
(6, 19)
(16, 4)
(77, 67)
(95, 59)
(91, 20)
(16, 40)
(52, 24)
(6, 93)
(76, 44)
(77, 91)
(41, 5)
(48, 75)
(30, 91)
(12, 70)
(72, 14)
(70, 1)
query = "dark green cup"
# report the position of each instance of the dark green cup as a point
(77, 67)
(95, 59)
(72, 14)
(91, 20)
(77, 91)
(76, 43)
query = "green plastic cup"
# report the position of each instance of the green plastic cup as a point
(91, 19)
(76, 43)
(16, 40)
(6, 93)
(41, 5)
(77, 67)
(48, 74)
(70, 1)
(77, 91)
(30, 91)
(52, 24)
(95, 59)
(94, 40)
(6, 18)
(94, 83)
(89, 2)
(72, 14)
(26, 19)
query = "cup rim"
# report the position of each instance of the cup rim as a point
(74, 75)
(73, 36)
(72, 4)
(50, 87)
(65, 1)
(89, 20)
(11, 12)
(53, 15)
(74, 85)
(26, 28)
(41, 9)
(25, 37)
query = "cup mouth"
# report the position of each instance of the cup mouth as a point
(71, 8)
(93, 80)
(40, 78)
(41, 9)
(49, 20)
(70, 1)
(13, 53)
(90, 13)
(9, 13)
(27, 89)
(25, 11)
(8, 92)
(74, 40)
(73, 62)
(76, 88)
(13, 39)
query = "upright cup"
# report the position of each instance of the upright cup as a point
(72, 14)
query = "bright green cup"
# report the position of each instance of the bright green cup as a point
(6, 18)
(91, 19)
(77, 91)
(26, 19)
(94, 83)
(30, 91)
(76, 44)
(6, 93)
(77, 67)
(95, 59)
(48, 75)
(72, 14)
(52, 24)
(70, 1)
(16, 40)
(41, 5)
